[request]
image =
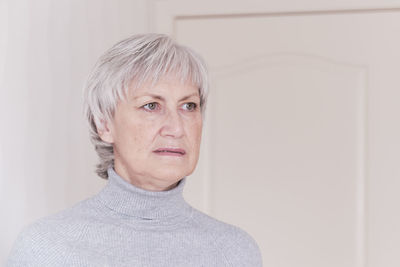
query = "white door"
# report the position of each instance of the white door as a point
(301, 145)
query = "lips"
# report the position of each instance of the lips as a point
(170, 151)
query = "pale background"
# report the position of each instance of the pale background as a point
(301, 145)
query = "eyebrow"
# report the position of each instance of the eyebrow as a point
(162, 98)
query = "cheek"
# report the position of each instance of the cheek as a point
(134, 138)
(141, 136)
(195, 132)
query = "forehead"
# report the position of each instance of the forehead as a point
(167, 85)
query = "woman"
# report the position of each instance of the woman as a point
(145, 101)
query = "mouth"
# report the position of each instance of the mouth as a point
(170, 152)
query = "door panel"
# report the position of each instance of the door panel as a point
(286, 157)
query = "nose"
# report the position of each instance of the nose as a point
(173, 125)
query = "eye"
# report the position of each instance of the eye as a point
(190, 106)
(151, 106)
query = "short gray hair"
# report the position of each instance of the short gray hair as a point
(130, 63)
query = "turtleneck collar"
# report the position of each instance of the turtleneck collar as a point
(127, 199)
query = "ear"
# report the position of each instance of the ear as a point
(105, 131)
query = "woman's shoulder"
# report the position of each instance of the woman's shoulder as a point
(41, 241)
(238, 246)
(65, 221)
(218, 227)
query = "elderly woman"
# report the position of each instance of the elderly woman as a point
(145, 101)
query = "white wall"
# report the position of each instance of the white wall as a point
(46, 51)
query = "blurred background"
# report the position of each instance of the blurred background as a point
(301, 142)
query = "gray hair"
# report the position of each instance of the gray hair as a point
(130, 63)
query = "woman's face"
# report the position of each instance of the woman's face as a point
(156, 134)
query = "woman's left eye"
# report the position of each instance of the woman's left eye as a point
(190, 106)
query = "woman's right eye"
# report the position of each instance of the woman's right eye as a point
(151, 106)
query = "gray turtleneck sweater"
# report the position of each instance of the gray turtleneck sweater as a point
(127, 226)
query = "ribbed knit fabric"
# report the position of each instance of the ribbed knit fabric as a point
(127, 226)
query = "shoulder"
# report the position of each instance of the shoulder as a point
(46, 241)
(239, 248)
(30, 246)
